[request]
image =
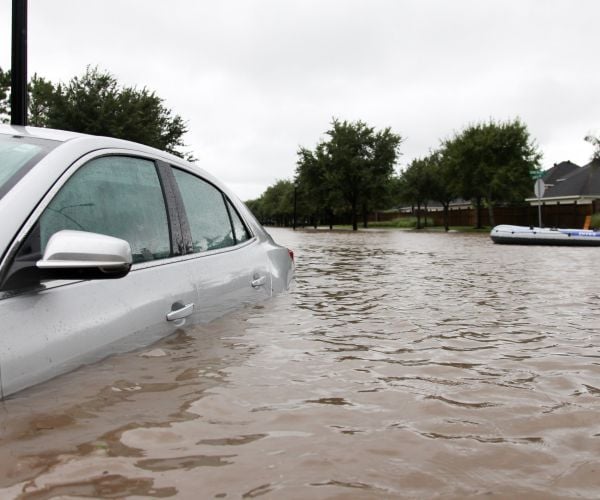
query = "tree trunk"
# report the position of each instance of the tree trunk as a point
(354, 216)
(491, 213)
(418, 215)
(446, 225)
(365, 216)
(478, 205)
(330, 213)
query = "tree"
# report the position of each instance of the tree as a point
(95, 103)
(354, 164)
(41, 98)
(416, 184)
(594, 141)
(276, 204)
(385, 152)
(429, 179)
(318, 199)
(5, 82)
(443, 185)
(255, 206)
(491, 163)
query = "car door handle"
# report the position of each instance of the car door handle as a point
(256, 282)
(180, 311)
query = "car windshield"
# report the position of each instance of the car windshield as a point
(17, 155)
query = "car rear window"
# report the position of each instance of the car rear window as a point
(17, 155)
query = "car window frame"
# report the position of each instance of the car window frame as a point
(180, 232)
(184, 221)
(169, 197)
(229, 206)
(172, 227)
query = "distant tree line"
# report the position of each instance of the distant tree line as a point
(352, 173)
(487, 163)
(348, 173)
(95, 103)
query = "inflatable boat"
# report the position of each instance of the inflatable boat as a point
(523, 235)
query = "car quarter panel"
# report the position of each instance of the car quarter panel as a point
(281, 266)
(225, 280)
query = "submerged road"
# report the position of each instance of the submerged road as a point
(402, 365)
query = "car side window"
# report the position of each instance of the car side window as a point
(118, 196)
(239, 229)
(206, 212)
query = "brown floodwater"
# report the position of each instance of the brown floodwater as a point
(401, 365)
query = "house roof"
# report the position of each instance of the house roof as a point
(559, 171)
(584, 181)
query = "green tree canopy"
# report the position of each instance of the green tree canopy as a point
(95, 103)
(317, 199)
(354, 165)
(416, 183)
(490, 162)
(443, 188)
(276, 204)
(428, 179)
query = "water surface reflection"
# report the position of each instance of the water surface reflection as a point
(401, 365)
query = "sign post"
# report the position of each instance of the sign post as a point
(539, 187)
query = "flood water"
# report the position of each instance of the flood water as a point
(401, 365)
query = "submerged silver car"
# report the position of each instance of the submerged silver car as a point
(107, 245)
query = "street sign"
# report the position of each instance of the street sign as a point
(539, 187)
(536, 174)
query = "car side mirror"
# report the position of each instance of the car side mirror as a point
(82, 255)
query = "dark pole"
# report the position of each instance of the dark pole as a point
(295, 204)
(18, 89)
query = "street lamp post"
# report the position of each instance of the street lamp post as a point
(18, 88)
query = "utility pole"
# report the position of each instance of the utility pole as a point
(18, 88)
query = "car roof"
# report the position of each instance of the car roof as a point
(81, 141)
(77, 141)
(39, 133)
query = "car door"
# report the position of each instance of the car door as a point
(226, 260)
(55, 326)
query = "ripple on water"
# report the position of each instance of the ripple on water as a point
(400, 365)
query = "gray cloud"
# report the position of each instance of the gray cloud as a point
(257, 78)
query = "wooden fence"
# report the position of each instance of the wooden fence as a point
(571, 215)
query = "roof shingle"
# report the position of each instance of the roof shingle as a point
(584, 181)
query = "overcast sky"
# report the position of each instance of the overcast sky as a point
(255, 79)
